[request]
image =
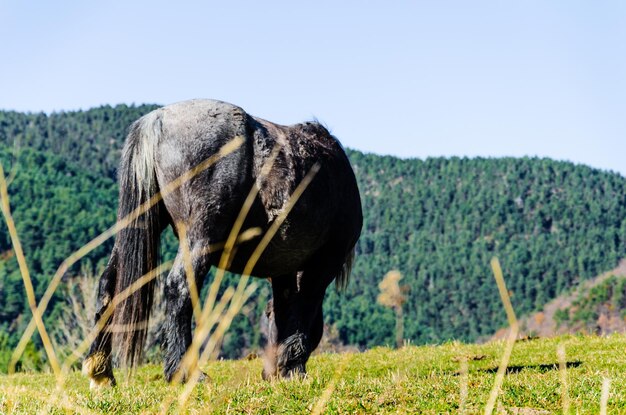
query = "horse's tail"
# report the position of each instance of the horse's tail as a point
(137, 244)
(341, 281)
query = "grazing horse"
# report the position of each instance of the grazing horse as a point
(313, 246)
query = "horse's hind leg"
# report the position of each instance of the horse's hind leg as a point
(298, 321)
(98, 365)
(282, 324)
(179, 310)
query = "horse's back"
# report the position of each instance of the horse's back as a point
(326, 217)
(203, 122)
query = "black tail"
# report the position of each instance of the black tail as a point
(137, 245)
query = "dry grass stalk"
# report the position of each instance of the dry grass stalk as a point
(28, 284)
(232, 237)
(604, 398)
(463, 385)
(506, 356)
(325, 396)
(560, 353)
(189, 273)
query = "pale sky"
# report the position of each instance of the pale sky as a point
(412, 79)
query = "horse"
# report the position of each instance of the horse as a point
(314, 244)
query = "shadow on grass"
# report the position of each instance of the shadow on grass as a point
(539, 368)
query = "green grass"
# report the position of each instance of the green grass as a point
(425, 379)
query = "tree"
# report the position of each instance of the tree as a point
(392, 295)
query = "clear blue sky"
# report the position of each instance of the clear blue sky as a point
(413, 79)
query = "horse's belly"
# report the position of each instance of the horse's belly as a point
(285, 254)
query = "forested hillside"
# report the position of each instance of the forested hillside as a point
(601, 310)
(438, 221)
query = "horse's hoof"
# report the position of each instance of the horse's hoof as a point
(183, 376)
(268, 375)
(98, 368)
(203, 377)
(294, 372)
(101, 383)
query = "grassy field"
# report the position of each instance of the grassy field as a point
(451, 378)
